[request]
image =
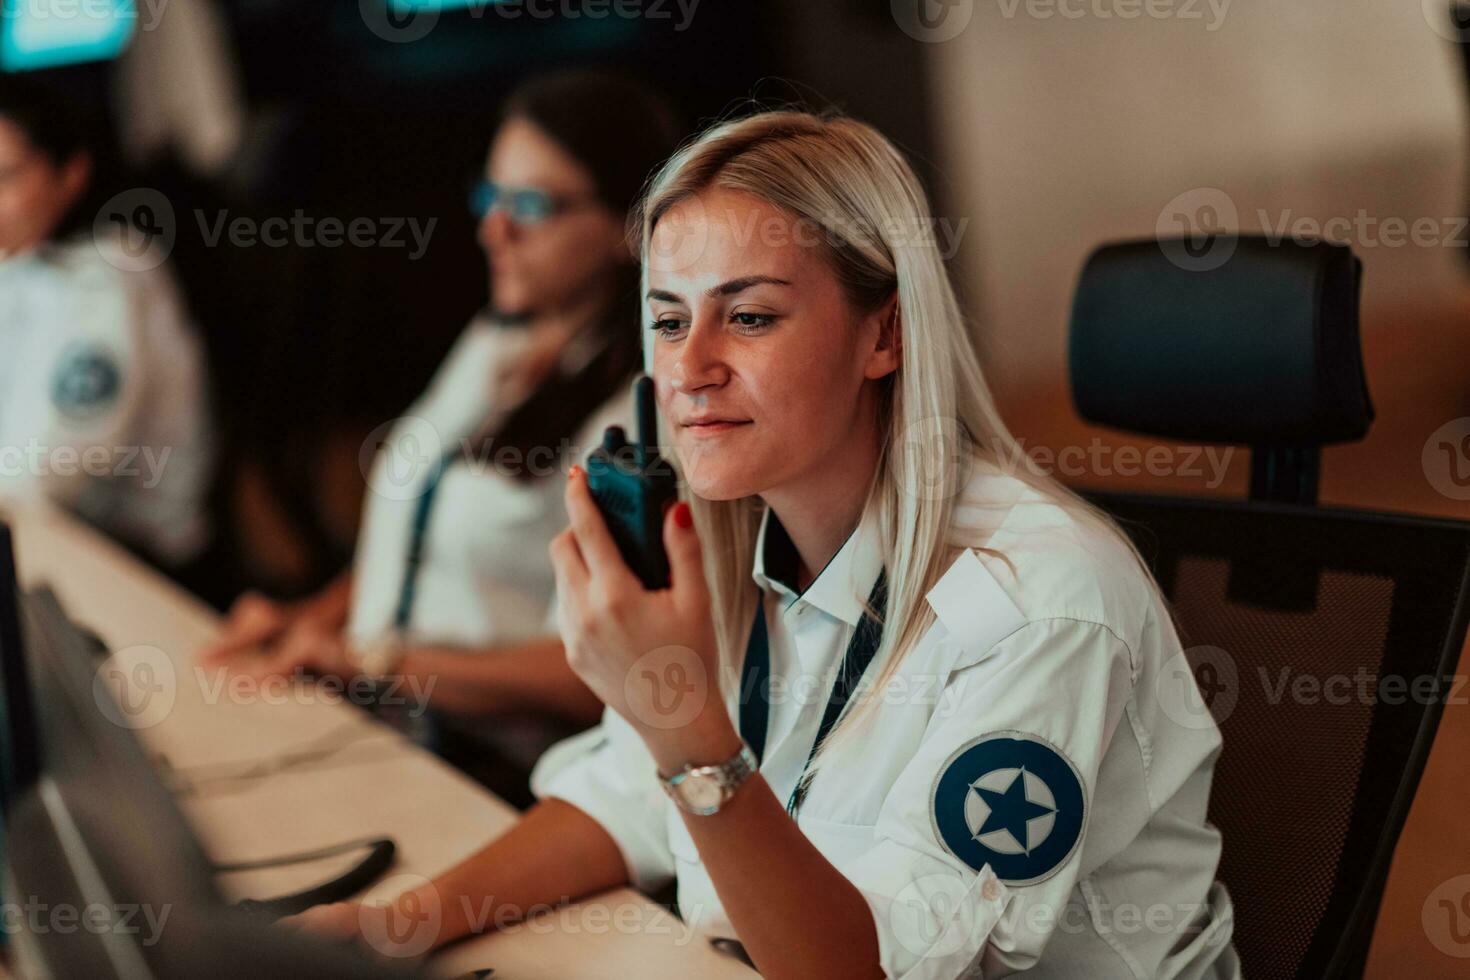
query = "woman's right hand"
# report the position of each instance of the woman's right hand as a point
(254, 621)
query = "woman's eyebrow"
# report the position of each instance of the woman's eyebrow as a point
(744, 282)
(729, 288)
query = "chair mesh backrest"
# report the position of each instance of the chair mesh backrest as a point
(1292, 618)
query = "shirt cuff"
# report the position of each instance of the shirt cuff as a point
(933, 920)
(595, 774)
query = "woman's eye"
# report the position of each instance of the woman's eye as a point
(666, 326)
(751, 322)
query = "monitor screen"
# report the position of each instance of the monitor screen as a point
(51, 33)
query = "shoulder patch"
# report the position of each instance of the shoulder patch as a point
(87, 380)
(1010, 800)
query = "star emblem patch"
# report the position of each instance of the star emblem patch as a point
(86, 382)
(1012, 801)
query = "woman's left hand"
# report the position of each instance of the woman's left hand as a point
(649, 655)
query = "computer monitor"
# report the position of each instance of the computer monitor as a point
(111, 882)
(52, 33)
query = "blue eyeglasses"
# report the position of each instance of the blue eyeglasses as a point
(523, 205)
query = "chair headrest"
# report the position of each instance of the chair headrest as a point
(1259, 349)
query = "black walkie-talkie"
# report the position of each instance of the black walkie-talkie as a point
(633, 486)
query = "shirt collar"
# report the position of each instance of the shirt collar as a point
(841, 588)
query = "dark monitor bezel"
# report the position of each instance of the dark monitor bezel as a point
(20, 760)
(107, 829)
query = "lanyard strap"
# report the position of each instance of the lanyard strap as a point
(755, 682)
(414, 560)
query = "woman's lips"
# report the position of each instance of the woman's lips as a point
(713, 427)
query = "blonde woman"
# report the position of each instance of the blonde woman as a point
(901, 711)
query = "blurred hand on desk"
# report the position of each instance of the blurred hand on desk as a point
(262, 637)
(253, 622)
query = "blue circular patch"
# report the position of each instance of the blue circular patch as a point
(1012, 801)
(87, 381)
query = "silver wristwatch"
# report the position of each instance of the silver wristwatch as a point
(702, 790)
(378, 657)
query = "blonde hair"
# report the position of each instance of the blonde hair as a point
(849, 181)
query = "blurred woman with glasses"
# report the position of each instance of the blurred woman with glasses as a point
(451, 586)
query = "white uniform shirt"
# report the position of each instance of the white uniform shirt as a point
(486, 575)
(102, 395)
(1044, 702)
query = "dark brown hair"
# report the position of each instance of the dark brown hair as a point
(621, 131)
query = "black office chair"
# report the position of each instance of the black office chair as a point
(1310, 792)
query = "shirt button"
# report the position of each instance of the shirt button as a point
(990, 890)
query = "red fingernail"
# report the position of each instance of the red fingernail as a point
(574, 472)
(683, 516)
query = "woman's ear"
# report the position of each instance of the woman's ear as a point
(76, 173)
(887, 352)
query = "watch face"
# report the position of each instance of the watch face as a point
(700, 792)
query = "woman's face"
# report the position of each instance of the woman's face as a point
(556, 262)
(34, 193)
(764, 371)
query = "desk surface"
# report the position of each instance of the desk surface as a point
(352, 778)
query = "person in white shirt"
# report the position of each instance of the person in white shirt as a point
(103, 401)
(451, 583)
(901, 712)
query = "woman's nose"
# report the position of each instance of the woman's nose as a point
(495, 229)
(701, 362)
